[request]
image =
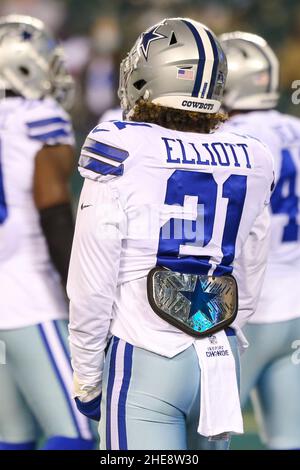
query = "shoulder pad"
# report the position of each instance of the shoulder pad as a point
(102, 156)
(48, 123)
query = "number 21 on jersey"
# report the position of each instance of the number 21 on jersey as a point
(222, 207)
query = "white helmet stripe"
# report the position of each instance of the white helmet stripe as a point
(206, 59)
(209, 63)
(201, 59)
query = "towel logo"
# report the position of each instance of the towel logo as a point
(213, 339)
(216, 351)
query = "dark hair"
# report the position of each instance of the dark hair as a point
(177, 119)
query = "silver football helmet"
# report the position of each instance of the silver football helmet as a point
(253, 72)
(31, 61)
(177, 63)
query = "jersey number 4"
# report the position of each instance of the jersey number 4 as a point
(285, 198)
(219, 209)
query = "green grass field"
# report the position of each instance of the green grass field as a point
(250, 440)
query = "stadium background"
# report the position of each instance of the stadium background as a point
(97, 33)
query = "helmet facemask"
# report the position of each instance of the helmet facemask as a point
(62, 83)
(31, 62)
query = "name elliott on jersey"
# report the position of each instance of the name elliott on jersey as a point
(207, 154)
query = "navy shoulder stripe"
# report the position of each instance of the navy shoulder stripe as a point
(51, 135)
(102, 158)
(99, 167)
(47, 122)
(105, 150)
(52, 129)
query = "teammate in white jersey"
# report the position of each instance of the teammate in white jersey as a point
(36, 229)
(251, 95)
(113, 114)
(165, 215)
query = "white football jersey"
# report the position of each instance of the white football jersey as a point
(30, 290)
(279, 299)
(113, 114)
(147, 189)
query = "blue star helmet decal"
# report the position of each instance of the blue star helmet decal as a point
(26, 35)
(148, 37)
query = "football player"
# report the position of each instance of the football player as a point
(171, 217)
(268, 370)
(36, 230)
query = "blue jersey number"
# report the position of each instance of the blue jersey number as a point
(3, 207)
(192, 250)
(285, 199)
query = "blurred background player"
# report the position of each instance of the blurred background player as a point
(146, 178)
(268, 370)
(36, 230)
(114, 114)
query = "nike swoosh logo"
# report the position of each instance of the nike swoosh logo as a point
(84, 206)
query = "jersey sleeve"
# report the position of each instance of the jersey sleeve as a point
(264, 162)
(47, 123)
(104, 153)
(263, 147)
(93, 276)
(250, 266)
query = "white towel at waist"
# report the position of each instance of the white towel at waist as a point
(220, 410)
